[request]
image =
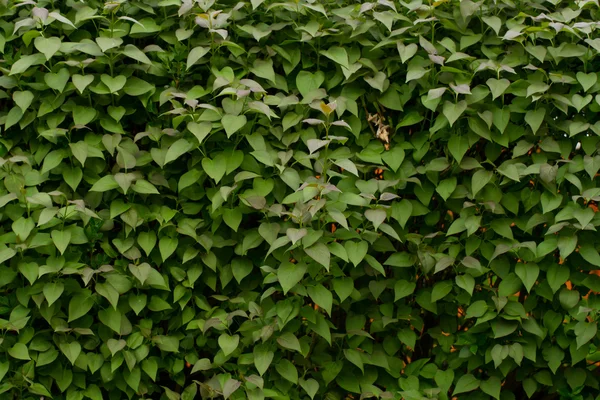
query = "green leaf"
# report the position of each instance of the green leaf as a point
(446, 187)
(137, 87)
(23, 99)
(321, 296)
(510, 285)
(310, 386)
(71, 351)
(528, 273)
(320, 253)
(492, 387)
(376, 217)
(590, 254)
(452, 111)
(402, 211)
(79, 306)
(394, 158)
(458, 146)
(584, 332)
(406, 52)
(263, 357)
(195, 55)
(166, 343)
(356, 251)
(107, 291)
(241, 268)
(147, 241)
(29, 270)
(308, 82)
(579, 101)
(502, 328)
(228, 343)
(501, 118)
(403, 288)
(107, 43)
(534, 118)
(557, 275)
(57, 81)
(133, 378)
(112, 318)
(343, 287)
(498, 86)
(167, 246)
(440, 290)
(232, 217)
(61, 239)
(177, 149)
(264, 69)
(355, 358)
(22, 227)
(25, 62)
(289, 341)
(233, 123)
(13, 117)
(138, 303)
(104, 184)
(587, 80)
(114, 84)
(338, 55)
(81, 82)
(465, 383)
(289, 275)
(287, 370)
(4, 367)
(133, 52)
(19, 351)
(215, 168)
(47, 46)
(466, 282)
(150, 367)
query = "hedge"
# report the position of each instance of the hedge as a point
(299, 199)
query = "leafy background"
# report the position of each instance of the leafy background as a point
(323, 199)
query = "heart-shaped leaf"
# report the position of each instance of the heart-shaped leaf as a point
(116, 112)
(296, 234)
(534, 118)
(115, 345)
(579, 101)
(356, 251)
(452, 111)
(200, 130)
(57, 81)
(23, 99)
(61, 239)
(308, 82)
(167, 246)
(498, 86)
(290, 274)
(114, 84)
(407, 52)
(394, 157)
(107, 43)
(71, 351)
(82, 81)
(52, 291)
(215, 168)
(228, 343)
(47, 46)
(587, 80)
(233, 123)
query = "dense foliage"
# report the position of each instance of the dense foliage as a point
(302, 199)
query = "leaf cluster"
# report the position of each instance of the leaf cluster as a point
(299, 199)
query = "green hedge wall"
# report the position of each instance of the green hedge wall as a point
(300, 199)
